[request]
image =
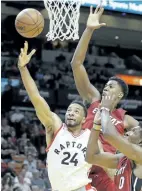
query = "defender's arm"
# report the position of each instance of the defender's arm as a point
(95, 157)
(130, 150)
(85, 88)
(93, 154)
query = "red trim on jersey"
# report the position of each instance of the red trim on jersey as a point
(54, 137)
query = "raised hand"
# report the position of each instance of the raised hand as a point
(25, 58)
(108, 101)
(93, 21)
(97, 118)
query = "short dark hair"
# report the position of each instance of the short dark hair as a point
(80, 103)
(123, 85)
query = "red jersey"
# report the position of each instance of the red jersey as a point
(125, 180)
(100, 178)
(117, 118)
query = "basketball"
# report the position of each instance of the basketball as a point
(29, 23)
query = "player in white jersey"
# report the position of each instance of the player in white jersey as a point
(67, 143)
(66, 166)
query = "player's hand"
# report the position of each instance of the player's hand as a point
(24, 57)
(93, 21)
(108, 101)
(97, 118)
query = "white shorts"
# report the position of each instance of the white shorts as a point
(86, 188)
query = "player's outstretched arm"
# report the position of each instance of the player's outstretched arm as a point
(132, 151)
(130, 122)
(93, 154)
(85, 88)
(50, 120)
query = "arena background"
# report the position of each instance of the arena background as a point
(113, 50)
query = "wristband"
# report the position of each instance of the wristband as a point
(97, 127)
(97, 124)
(105, 108)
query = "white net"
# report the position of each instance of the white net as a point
(64, 19)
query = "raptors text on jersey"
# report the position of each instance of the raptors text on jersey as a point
(67, 168)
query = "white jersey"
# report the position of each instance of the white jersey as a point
(67, 168)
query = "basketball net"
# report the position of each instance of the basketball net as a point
(64, 19)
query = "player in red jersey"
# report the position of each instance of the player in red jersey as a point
(128, 176)
(90, 94)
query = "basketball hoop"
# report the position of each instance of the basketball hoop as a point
(64, 19)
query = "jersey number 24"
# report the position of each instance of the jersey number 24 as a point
(69, 159)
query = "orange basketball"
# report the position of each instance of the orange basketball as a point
(29, 23)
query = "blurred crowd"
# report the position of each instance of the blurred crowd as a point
(54, 75)
(58, 74)
(23, 155)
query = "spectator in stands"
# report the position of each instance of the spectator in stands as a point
(22, 142)
(13, 137)
(7, 150)
(27, 185)
(31, 162)
(22, 182)
(17, 116)
(25, 170)
(12, 145)
(6, 130)
(29, 148)
(42, 153)
(24, 139)
(44, 176)
(41, 166)
(35, 135)
(25, 127)
(37, 180)
(27, 117)
(24, 178)
(7, 182)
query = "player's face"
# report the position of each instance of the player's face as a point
(135, 135)
(74, 115)
(113, 88)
